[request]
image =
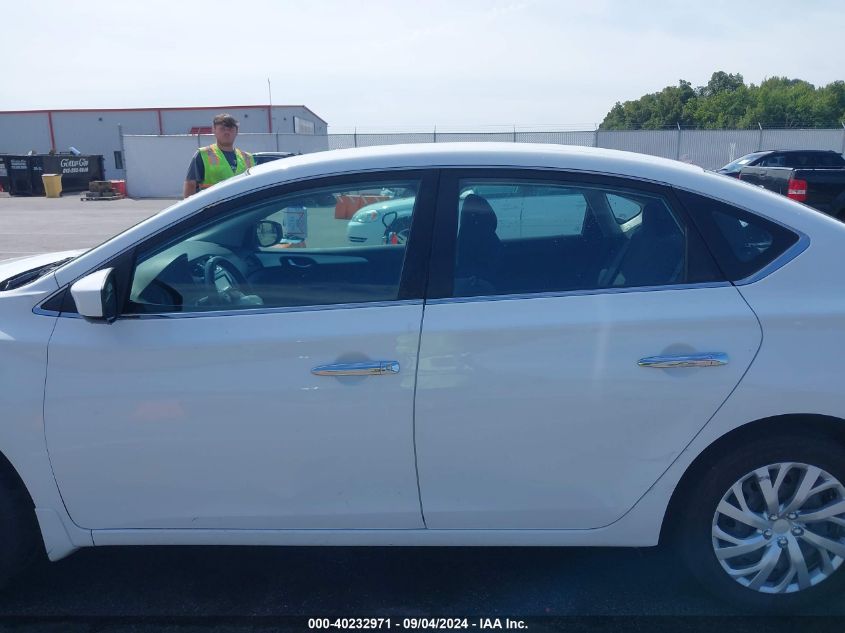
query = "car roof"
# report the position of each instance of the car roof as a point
(427, 155)
(795, 151)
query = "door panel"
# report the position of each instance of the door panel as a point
(218, 422)
(534, 414)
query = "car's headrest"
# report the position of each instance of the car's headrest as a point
(477, 215)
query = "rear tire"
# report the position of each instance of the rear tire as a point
(787, 561)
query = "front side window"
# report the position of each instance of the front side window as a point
(551, 237)
(327, 245)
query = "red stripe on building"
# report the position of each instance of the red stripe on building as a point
(218, 108)
(52, 133)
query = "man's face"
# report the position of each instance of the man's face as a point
(225, 134)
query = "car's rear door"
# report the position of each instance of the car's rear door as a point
(557, 383)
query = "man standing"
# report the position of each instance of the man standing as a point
(217, 162)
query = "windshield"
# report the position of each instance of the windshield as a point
(21, 279)
(741, 162)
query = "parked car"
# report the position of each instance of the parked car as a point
(733, 168)
(814, 177)
(316, 199)
(590, 370)
(372, 224)
(375, 223)
(267, 157)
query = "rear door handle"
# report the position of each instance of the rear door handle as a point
(370, 368)
(710, 359)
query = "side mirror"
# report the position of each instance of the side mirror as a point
(268, 233)
(389, 218)
(95, 296)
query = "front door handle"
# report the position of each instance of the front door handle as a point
(370, 368)
(710, 359)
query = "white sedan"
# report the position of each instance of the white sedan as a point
(374, 223)
(572, 347)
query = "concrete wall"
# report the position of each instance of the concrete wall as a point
(804, 139)
(714, 148)
(156, 166)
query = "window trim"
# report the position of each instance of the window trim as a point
(579, 293)
(441, 268)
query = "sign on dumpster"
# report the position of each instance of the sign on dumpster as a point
(74, 165)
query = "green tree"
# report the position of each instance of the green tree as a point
(727, 102)
(782, 102)
(652, 110)
(721, 82)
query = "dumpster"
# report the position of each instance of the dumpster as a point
(24, 172)
(52, 185)
(76, 171)
(4, 175)
(19, 170)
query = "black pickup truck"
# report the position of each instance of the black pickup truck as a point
(814, 177)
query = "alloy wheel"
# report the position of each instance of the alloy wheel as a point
(781, 528)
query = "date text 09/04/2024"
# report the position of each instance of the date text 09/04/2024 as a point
(416, 623)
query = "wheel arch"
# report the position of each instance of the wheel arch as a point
(10, 476)
(819, 426)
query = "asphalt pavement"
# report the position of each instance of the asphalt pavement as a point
(274, 589)
(29, 226)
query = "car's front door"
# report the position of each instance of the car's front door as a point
(563, 367)
(260, 376)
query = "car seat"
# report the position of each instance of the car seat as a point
(654, 255)
(479, 250)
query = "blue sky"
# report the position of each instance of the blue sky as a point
(405, 65)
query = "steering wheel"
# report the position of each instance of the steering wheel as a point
(239, 283)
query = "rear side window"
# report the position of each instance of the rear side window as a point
(526, 236)
(774, 160)
(742, 243)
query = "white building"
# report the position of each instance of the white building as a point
(98, 131)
